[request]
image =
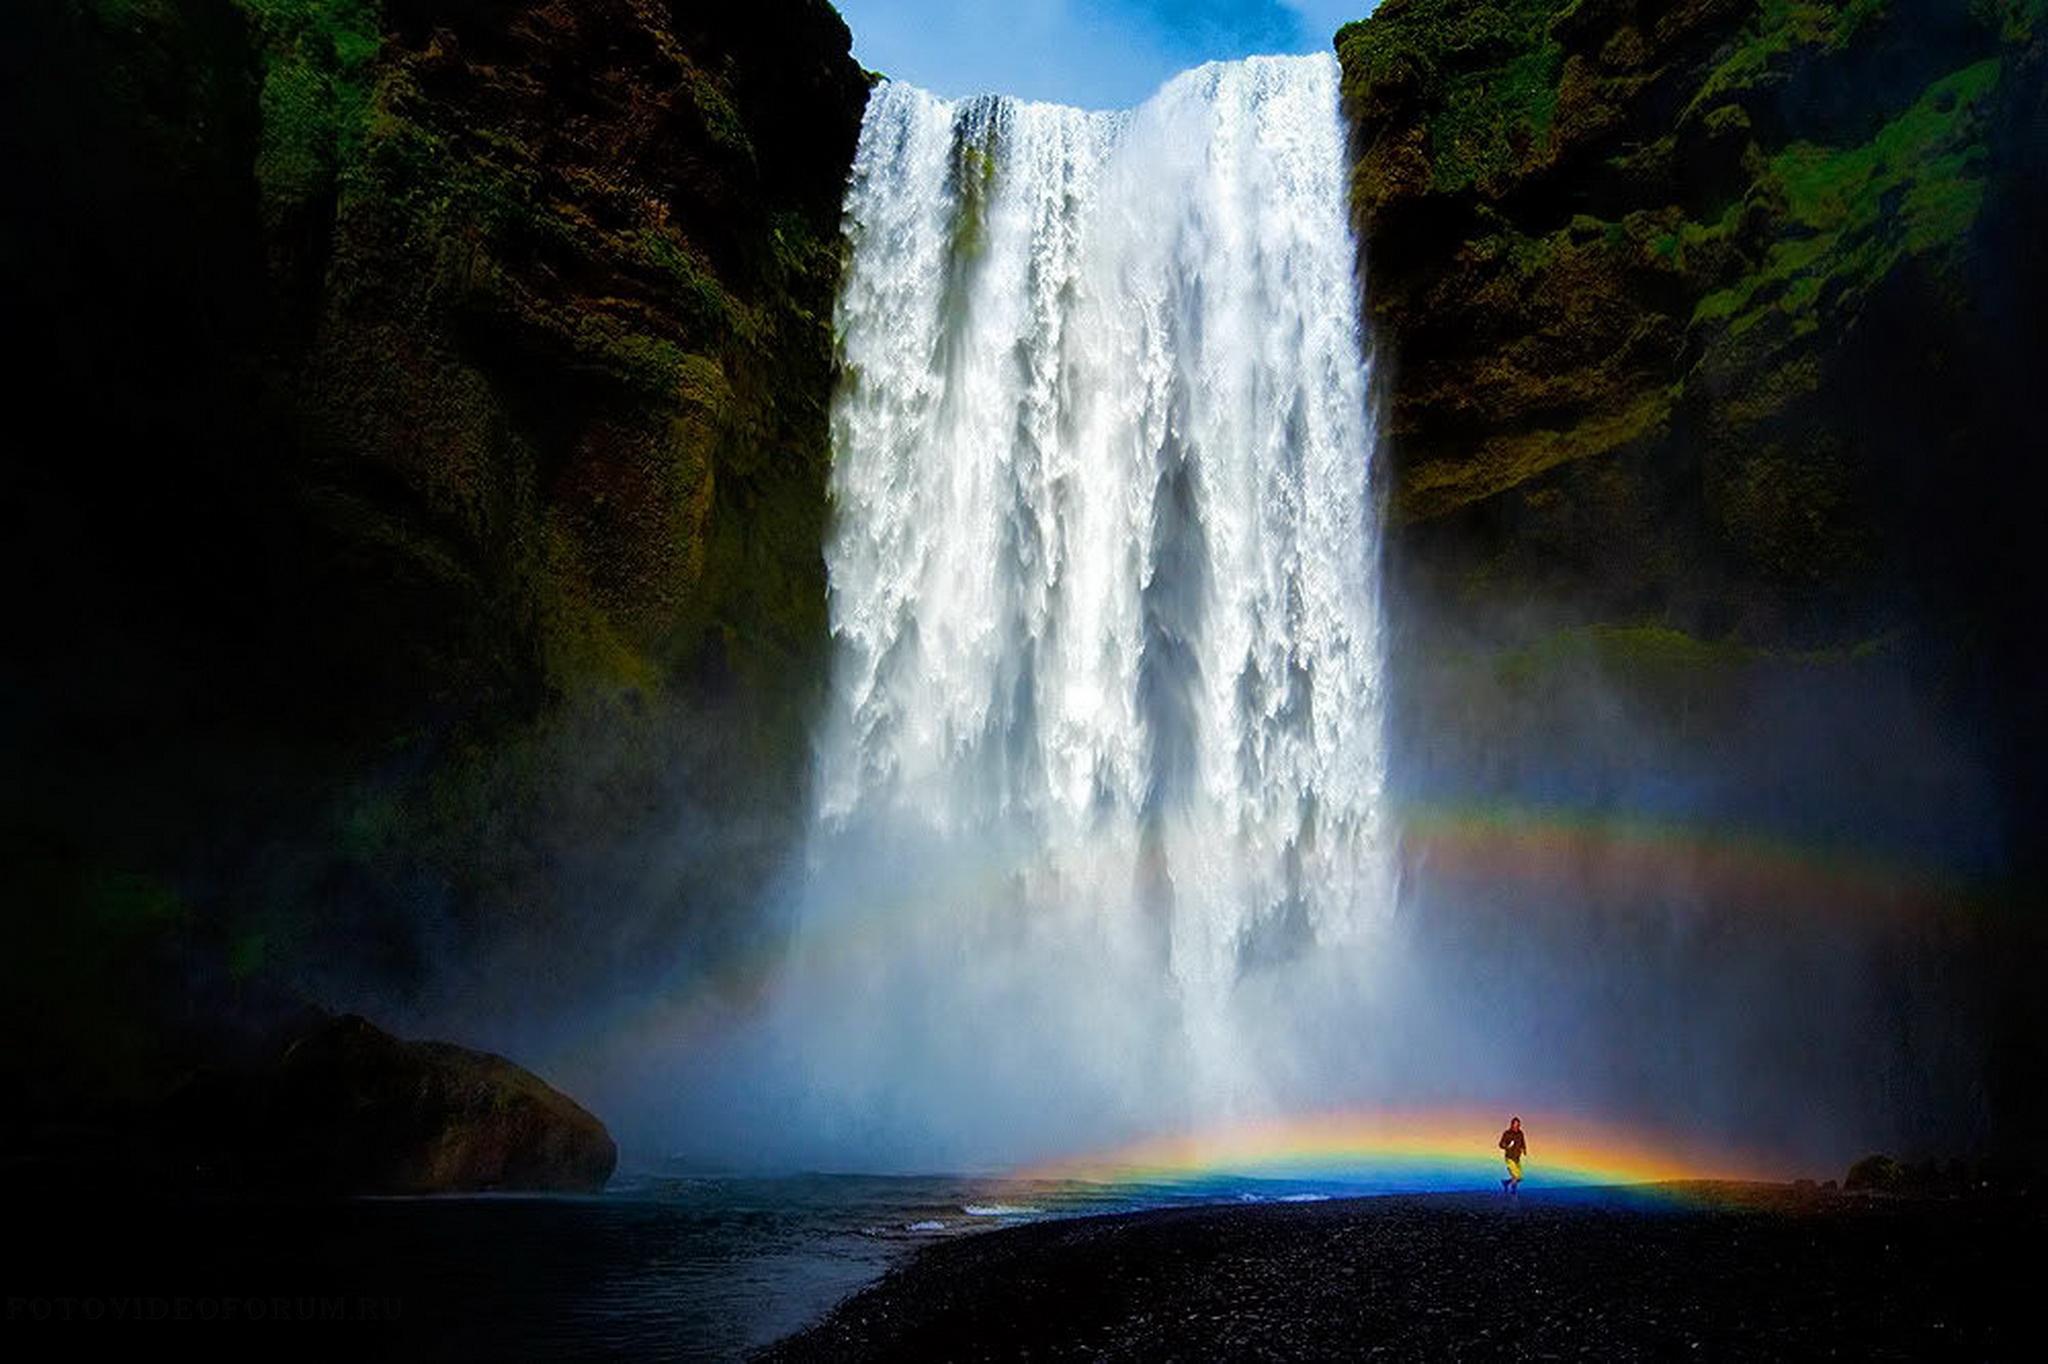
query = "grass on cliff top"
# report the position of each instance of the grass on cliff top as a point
(1856, 211)
(1488, 70)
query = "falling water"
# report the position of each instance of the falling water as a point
(1100, 823)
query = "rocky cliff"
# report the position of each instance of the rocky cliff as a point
(1707, 329)
(347, 1108)
(1709, 335)
(414, 511)
(1718, 258)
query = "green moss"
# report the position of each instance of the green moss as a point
(1493, 120)
(317, 58)
(2014, 21)
(1778, 28)
(124, 902)
(706, 303)
(1510, 459)
(1621, 650)
(368, 827)
(1788, 507)
(703, 385)
(653, 362)
(974, 175)
(438, 188)
(247, 955)
(580, 644)
(1854, 212)
(1653, 653)
(1486, 72)
(1852, 18)
(1772, 41)
(1828, 188)
(721, 121)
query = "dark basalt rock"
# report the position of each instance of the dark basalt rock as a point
(1725, 1274)
(1873, 1172)
(416, 495)
(1678, 300)
(348, 1108)
(1706, 324)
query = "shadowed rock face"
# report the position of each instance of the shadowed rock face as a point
(411, 533)
(349, 1108)
(1684, 300)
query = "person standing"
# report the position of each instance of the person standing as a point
(1513, 1146)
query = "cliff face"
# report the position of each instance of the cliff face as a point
(414, 527)
(574, 269)
(1707, 326)
(1687, 289)
(1710, 334)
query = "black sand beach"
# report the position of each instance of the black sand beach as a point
(1753, 1274)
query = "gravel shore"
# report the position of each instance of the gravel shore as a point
(1715, 1274)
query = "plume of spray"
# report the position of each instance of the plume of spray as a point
(1104, 763)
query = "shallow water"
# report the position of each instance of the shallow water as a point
(664, 1266)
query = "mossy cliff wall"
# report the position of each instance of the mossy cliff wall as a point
(415, 506)
(1706, 321)
(1711, 335)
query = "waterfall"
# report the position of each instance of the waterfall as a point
(1100, 826)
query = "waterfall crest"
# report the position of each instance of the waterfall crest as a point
(1100, 782)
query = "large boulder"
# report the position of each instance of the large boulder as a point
(348, 1108)
(1875, 1172)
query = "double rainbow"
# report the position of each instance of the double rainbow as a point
(1621, 858)
(1500, 846)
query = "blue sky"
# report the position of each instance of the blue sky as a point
(1101, 54)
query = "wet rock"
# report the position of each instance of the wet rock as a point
(1874, 1172)
(348, 1108)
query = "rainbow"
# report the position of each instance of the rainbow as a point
(1600, 859)
(1412, 1151)
(1621, 858)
